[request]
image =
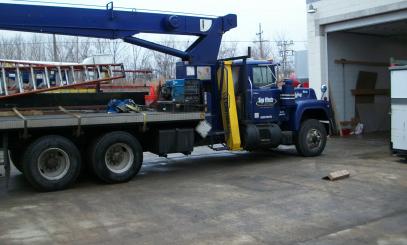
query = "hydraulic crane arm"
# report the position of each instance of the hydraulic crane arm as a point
(113, 24)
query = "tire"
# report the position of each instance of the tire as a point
(116, 157)
(311, 139)
(51, 163)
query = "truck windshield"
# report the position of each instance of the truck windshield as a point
(263, 76)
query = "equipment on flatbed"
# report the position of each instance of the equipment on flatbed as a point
(235, 102)
(183, 91)
(181, 95)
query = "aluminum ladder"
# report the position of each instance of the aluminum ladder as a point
(19, 78)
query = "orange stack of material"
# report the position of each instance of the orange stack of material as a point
(151, 97)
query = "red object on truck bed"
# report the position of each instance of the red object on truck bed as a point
(151, 97)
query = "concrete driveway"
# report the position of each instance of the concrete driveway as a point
(224, 198)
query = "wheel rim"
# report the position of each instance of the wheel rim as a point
(314, 139)
(53, 163)
(119, 158)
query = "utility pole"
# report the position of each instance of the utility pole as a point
(77, 49)
(260, 34)
(286, 54)
(54, 42)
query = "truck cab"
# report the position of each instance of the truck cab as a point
(271, 113)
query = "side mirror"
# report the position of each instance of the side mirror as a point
(324, 88)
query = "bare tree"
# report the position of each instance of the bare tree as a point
(164, 63)
(83, 48)
(228, 49)
(36, 49)
(145, 61)
(6, 48)
(268, 50)
(136, 55)
(138, 59)
(66, 49)
(39, 47)
(100, 46)
(116, 48)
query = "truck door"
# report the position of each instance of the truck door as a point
(262, 94)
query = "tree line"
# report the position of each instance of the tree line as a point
(40, 47)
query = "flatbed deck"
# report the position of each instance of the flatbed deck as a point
(75, 118)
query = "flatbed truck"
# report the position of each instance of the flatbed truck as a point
(235, 102)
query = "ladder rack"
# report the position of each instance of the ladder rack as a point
(19, 78)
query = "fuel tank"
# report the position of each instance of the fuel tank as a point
(261, 136)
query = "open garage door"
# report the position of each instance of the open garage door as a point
(358, 60)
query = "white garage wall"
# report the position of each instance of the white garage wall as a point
(334, 11)
(358, 48)
(329, 8)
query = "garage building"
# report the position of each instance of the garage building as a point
(351, 46)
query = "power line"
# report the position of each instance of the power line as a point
(286, 53)
(108, 42)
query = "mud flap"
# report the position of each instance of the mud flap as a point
(6, 160)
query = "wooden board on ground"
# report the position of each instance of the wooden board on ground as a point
(337, 175)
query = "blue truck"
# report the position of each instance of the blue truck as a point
(234, 104)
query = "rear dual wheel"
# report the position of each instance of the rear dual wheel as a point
(51, 163)
(116, 157)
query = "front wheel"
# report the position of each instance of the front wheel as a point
(311, 138)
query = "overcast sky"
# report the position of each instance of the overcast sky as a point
(287, 16)
(276, 16)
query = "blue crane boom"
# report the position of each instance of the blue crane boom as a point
(113, 24)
